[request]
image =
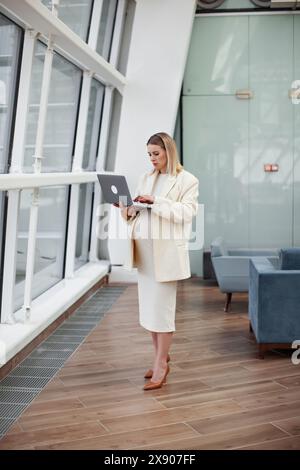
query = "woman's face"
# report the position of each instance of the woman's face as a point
(158, 157)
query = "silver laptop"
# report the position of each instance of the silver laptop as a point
(115, 189)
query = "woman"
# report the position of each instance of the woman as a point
(158, 240)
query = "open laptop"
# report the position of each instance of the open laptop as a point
(115, 189)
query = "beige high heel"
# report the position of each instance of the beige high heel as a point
(149, 372)
(154, 385)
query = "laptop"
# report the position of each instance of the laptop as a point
(115, 189)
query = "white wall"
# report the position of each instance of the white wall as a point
(159, 46)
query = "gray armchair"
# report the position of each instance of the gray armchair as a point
(274, 299)
(231, 267)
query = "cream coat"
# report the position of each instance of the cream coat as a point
(171, 223)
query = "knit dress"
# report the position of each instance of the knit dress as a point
(157, 300)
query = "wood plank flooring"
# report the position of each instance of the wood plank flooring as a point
(219, 395)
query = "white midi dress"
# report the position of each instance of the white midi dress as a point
(157, 300)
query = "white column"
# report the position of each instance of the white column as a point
(159, 47)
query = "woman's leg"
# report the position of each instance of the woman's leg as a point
(164, 341)
(155, 344)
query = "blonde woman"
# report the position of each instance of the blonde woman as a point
(158, 240)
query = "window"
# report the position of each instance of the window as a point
(10, 40)
(106, 28)
(113, 131)
(93, 126)
(50, 242)
(76, 14)
(84, 224)
(61, 113)
(126, 36)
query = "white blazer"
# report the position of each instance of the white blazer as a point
(171, 222)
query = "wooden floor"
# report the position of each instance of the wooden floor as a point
(219, 395)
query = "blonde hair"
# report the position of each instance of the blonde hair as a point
(169, 145)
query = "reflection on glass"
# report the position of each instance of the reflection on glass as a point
(84, 224)
(93, 125)
(10, 37)
(74, 13)
(2, 201)
(126, 36)
(113, 131)
(61, 113)
(50, 243)
(106, 28)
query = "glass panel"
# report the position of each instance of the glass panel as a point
(2, 214)
(74, 13)
(215, 146)
(220, 45)
(84, 224)
(113, 131)
(93, 126)
(61, 113)
(126, 36)
(22, 241)
(50, 243)
(10, 38)
(227, 140)
(270, 130)
(106, 28)
(296, 111)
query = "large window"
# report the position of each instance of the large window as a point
(126, 36)
(61, 113)
(113, 131)
(93, 125)
(10, 41)
(74, 13)
(110, 39)
(84, 224)
(50, 242)
(106, 28)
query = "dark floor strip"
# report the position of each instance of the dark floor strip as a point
(26, 381)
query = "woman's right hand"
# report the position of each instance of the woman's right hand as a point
(126, 211)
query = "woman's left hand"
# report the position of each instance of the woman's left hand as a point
(145, 199)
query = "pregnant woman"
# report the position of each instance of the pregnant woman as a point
(158, 238)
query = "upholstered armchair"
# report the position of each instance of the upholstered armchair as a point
(274, 301)
(231, 267)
